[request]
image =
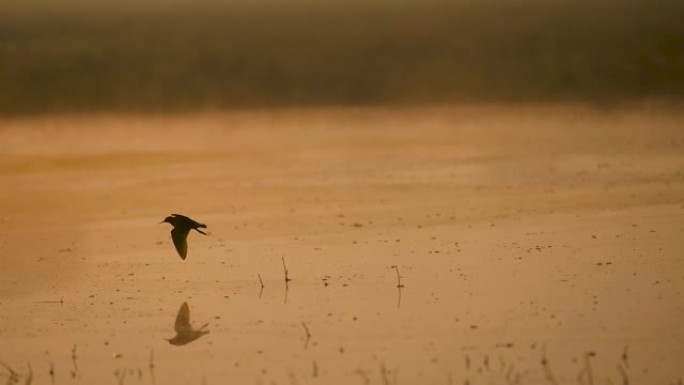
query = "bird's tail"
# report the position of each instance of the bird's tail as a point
(201, 226)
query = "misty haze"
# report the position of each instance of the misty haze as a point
(197, 56)
(360, 192)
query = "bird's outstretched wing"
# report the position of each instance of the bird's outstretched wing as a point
(182, 325)
(180, 240)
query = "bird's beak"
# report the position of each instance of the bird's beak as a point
(161, 222)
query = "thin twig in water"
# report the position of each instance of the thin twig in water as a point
(287, 278)
(547, 369)
(509, 374)
(73, 360)
(623, 373)
(308, 335)
(151, 366)
(14, 376)
(29, 376)
(121, 375)
(383, 373)
(261, 290)
(625, 358)
(586, 371)
(590, 375)
(52, 372)
(315, 369)
(399, 284)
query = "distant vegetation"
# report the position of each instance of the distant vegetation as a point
(184, 58)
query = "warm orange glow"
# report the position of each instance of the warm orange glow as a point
(531, 243)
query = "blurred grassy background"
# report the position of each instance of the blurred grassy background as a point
(183, 56)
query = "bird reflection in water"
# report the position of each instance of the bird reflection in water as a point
(184, 331)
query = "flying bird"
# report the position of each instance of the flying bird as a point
(181, 227)
(184, 331)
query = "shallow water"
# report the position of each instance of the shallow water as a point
(534, 246)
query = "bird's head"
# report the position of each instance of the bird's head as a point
(168, 219)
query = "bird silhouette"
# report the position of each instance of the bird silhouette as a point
(184, 331)
(181, 227)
